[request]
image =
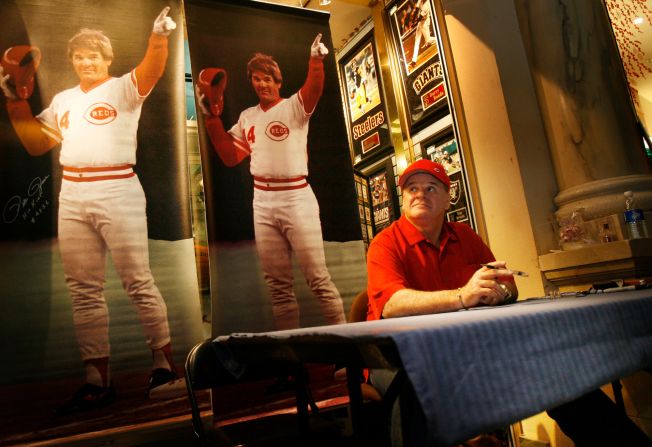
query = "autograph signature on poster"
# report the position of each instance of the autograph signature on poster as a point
(27, 207)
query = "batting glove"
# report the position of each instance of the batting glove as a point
(163, 24)
(212, 83)
(6, 88)
(317, 49)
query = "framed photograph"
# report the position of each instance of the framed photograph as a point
(364, 211)
(384, 200)
(445, 150)
(361, 87)
(365, 193)
(414, 31)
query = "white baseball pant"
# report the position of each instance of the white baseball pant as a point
(286, 222)
(93, 217)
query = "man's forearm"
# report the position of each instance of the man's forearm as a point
(406, 302)
(151, 68)
(35, 137)
(314, 85)
(230, 151)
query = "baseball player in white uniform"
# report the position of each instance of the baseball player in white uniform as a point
(274, 134)
(423, 29)
(102, 204)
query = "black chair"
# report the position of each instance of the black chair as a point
(205, 371)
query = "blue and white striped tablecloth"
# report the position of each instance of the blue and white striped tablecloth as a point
(485, 368)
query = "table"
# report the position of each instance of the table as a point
(484, 368)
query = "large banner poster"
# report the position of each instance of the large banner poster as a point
(98, 284)
(283, 226)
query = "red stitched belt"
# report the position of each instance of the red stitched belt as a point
(97, 173)
(280, 184)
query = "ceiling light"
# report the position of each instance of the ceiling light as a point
(324, 2)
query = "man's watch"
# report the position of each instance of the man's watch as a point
(508, 298)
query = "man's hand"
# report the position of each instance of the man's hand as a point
(5, 86)
(318, 49)
(484, 286)
(201, 101)
(163, 25)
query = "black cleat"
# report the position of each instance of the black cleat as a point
(164, 383)
(88, 397)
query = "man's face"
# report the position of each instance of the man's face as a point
(425, 197)
(267, 89)
(90, 66)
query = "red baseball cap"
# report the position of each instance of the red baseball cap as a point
(424, 166)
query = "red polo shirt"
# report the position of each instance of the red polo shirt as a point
(400, 257)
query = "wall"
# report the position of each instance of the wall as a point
(515, 176)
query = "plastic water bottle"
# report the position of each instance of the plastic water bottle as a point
(634, 218)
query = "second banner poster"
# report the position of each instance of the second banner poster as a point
(284, 233)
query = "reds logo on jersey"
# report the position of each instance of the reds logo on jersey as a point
(100, 113)
(277, 131)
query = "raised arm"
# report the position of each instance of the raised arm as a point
(151, 68)
(314, 85)
(34, 135)
(209, 90)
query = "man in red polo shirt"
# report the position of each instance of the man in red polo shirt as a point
(422, 264)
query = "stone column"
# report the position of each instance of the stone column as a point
(595, 145)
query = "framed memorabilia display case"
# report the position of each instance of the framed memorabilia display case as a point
(378, 199)
(443, 148)
(383, 197)
(362, 92)
(364, 207)
(414, 34)
(383, 200)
